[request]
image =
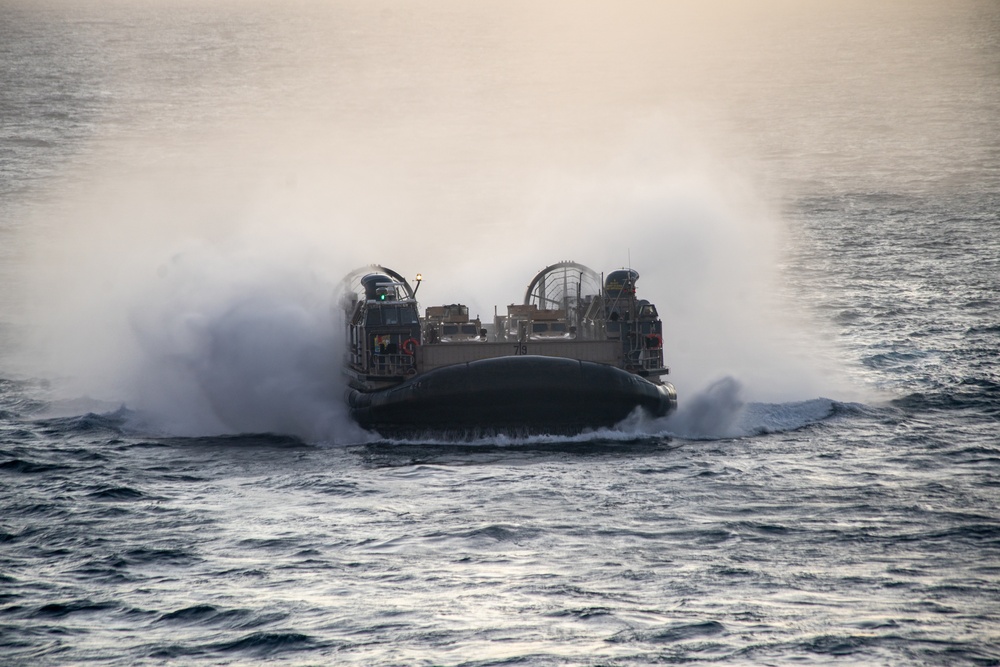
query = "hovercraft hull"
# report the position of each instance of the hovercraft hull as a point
(522, 394)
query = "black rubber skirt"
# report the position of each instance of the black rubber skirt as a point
(521, 394)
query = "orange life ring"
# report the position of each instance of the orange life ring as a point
(655, 341)
(410, 346)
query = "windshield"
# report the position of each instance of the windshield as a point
(390, 315)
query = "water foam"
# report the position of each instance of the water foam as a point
(717, 413)
(259, 353)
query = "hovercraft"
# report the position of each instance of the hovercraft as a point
(580, 352)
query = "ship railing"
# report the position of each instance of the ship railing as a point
(644, 360)
(651, 360)
(391, 365)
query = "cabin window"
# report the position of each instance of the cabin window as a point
(559, 327)
(469, 329)
(539, 327)
(449, 329)
(391, 316)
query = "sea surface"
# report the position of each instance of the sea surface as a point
(181, 184)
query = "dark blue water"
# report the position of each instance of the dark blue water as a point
(178, 483)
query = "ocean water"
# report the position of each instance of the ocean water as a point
(810, 193)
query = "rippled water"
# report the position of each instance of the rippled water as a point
(771, 521)
(869, 534)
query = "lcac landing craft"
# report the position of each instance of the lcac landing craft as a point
(580, 352)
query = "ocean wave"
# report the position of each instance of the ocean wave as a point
(29, 467)
(116, 493)
(60, 609)
(671, 634)
(17, 398)
(968, 393)
(206, 614)
(241, 440)
(112, 422)
(264, 644)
